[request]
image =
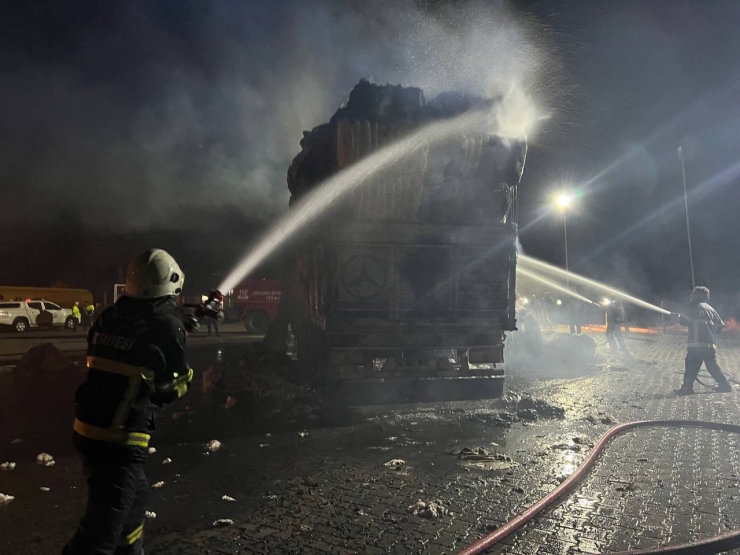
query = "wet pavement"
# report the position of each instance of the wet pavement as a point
(317, 482)
(14, 345)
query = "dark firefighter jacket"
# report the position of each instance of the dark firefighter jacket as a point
(136, 359)
(617, 315)
(704, 323)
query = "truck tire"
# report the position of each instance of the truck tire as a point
(70, 323)
(256, 322)
(21, 325)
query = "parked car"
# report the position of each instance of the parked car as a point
(22, 315)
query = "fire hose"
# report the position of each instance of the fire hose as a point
(716, 544)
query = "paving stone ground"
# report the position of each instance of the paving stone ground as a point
(652, 487)
(329, 492)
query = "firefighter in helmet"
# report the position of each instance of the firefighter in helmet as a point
(136, 362)
(704, 324)
(616, 317)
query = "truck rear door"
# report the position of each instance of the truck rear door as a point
(401, 272)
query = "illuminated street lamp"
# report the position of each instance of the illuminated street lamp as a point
(563, 201)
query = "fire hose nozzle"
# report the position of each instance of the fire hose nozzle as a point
(210, 308)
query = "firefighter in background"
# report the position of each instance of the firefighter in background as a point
(547, 305)
(616, 317)
(90, 314)
(576, 312)
(704, 324)
(76, 313)
(136, 361)
(530, 328)
(212, 322)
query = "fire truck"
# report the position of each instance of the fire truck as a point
(407, 289)
(254, 302)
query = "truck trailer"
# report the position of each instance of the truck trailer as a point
(406, 290)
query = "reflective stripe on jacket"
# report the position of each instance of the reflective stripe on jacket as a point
(703, 323)
(136, 360)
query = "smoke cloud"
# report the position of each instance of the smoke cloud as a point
(146, 115)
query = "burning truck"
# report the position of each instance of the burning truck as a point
(405, 290)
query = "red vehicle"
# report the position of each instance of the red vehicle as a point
(255, 302)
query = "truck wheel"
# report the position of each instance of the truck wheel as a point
(256, 322)
(70, 323)
(20, 325)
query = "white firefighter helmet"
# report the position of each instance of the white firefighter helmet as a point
(152, 274)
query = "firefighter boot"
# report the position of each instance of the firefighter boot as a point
(686, 389)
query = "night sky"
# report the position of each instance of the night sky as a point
(172, 123)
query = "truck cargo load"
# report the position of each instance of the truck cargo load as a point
(411, 282)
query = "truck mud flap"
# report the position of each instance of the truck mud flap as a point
(380, 391)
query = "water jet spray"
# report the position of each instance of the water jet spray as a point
(552, 284)
(337, 187)
(528, 260)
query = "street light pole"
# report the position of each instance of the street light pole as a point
(565, 234)
(688, 226)
(563, 201)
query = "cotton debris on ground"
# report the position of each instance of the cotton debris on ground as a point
(150, 515)
(45, 459)
(395, 463)
(258, 377)
(429, 509)
(158, 485)
(221, 522)
(227, 498)
(167, 461)
(152, 450)
(213, 446)
(42, 488)
(7, 466)
(4, 499)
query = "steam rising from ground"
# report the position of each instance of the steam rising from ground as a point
(204, 107)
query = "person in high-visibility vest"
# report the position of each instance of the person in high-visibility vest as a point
(90, 314)
(136, 362)
(76, 313)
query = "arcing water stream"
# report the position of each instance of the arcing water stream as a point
(339, 186)
(529, 262)
(552, 284)
(501, 121)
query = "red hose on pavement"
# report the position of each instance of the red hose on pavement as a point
(715, 544)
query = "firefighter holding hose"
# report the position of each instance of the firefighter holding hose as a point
(703, 324)
(136, 361)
